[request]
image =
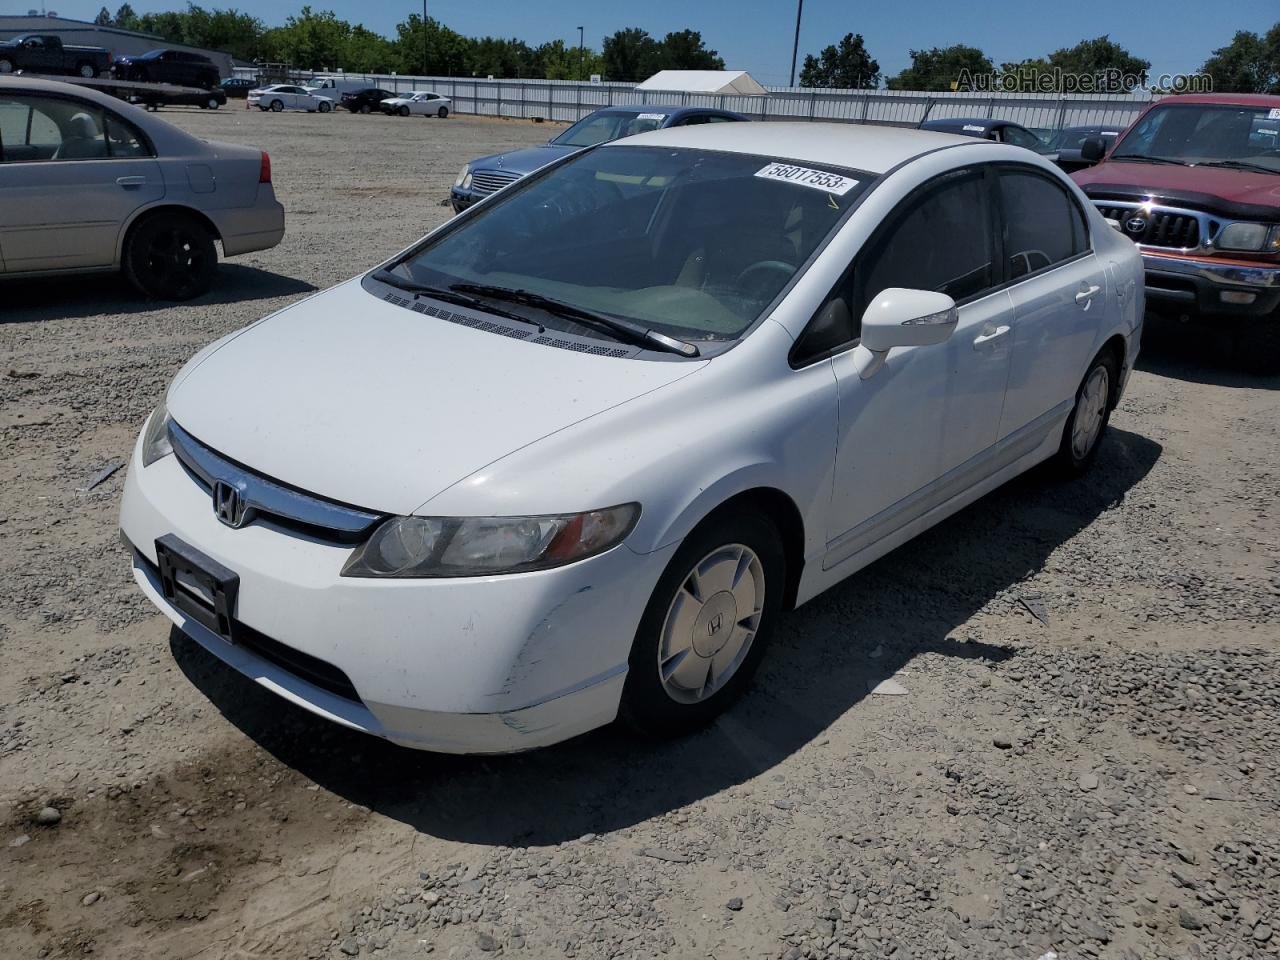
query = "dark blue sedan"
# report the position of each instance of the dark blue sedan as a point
(481, 177)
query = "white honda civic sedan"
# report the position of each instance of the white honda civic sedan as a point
(570, 456)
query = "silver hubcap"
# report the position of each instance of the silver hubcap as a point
(1090, 412)
(711, 622)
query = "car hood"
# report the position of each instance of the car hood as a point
(1239, 193)
(524, 161)
(359, 400)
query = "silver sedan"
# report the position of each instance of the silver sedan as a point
(90, 183)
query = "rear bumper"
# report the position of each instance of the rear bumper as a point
(1209, 288)
(246, 229)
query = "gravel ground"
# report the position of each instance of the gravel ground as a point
(1081, 756)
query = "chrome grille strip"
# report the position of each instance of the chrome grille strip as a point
(1164, 227)
(268, 499)
(489, 181)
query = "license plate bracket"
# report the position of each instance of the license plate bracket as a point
(198, 585)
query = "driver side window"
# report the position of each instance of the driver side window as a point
(1043, 225)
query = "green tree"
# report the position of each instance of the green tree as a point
(557, 60)
(631, 54)
(1113, 68)
(125, 18)
(1248, 64)
(1025, 76)
(845, 66)
(939, 68)
(103, 18)
(685, 50)
(310, 40)
(447, 52)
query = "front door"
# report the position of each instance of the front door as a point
(922, 428)
(71, 175)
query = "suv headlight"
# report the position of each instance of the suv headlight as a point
(1249, 236)
(155, 439)
(483, 546)
(464, 177)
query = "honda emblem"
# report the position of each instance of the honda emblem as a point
(228, 505)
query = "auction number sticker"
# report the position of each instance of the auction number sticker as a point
(807, 177)
(1273, 113)
(652, 116)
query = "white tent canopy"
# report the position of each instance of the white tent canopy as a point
(732, 82)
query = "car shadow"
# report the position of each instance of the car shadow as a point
(818, 667)
(93, 295)
(1198, 353)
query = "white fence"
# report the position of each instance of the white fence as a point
(570, 101)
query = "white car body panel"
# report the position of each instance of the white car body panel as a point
(472, 424)
(417, 105)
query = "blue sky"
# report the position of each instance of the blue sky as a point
(1175, 35)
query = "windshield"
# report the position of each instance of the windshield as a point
(613, 125)
(1073, 138)
(1206, 133)
(686, 242)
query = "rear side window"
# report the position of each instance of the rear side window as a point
(1043, 224)
(37, 128)
(939, 239)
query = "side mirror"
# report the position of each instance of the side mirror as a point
(1092, 149)
(898, 317)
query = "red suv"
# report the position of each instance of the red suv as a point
(1195, 183)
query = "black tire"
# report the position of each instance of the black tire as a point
(170, 256)
(277, 106)
(325, 106)
(86, 70)
(646, 706)
(442, 112)
(403, 111)
(365, 108)
(212, 103)
(1071, 460)
(6, 65)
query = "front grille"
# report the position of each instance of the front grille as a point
(313, 670)
(1161, 227)
(271, 500)
(488, 181)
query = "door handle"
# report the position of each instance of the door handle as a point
(1087, 294)
(983, 339)
(130, 181)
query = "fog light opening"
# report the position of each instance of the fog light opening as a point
(1241, 297)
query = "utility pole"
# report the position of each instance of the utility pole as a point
(581, 60)
(424, 37)
(795, 47)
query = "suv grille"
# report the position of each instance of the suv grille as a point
(488, 181)
(1159, 227)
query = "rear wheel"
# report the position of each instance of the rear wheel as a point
(277, 106)
(403, 111)
(442, 112)
(212, 103)
(170, 256)
(365, 108)
(87, 70)
(1089, 417)
(6, 65)
(706, 626)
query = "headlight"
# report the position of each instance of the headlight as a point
(464, 176)
(1248, 236)
(155, 439)
(482, 546)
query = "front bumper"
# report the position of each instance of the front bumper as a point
(1198, 284)
(467, 665)
(461, 199)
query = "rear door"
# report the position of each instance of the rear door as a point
(1059, 292)
(71, 174)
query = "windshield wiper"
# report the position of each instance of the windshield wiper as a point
(1145, 159)
(1238, 165)
(451, 296)
(619, 328)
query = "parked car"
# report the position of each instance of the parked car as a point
(1001, 131)
(181, 68)
(164, 97)
(238, 87)
(91, 183)
(1068, 141)
(333, 87)
(419, 103)
(1195, 183)
(288, 96)
(483, 176)
(366, 99)
(618, 418)
(46, 53)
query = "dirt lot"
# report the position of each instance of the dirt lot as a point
(1085, 758)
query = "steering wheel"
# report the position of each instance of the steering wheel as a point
(757, 273)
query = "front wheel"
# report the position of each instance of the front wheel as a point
(1089, 417)
(170, 256)
(403, 111)
(324, 106)
(442, 112)
(277, 106)
(706, 626)
(6, 65)
(365, 108)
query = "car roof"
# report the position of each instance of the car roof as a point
(1223, 99)
(959, 123)
(670, 109)
(865, 147)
